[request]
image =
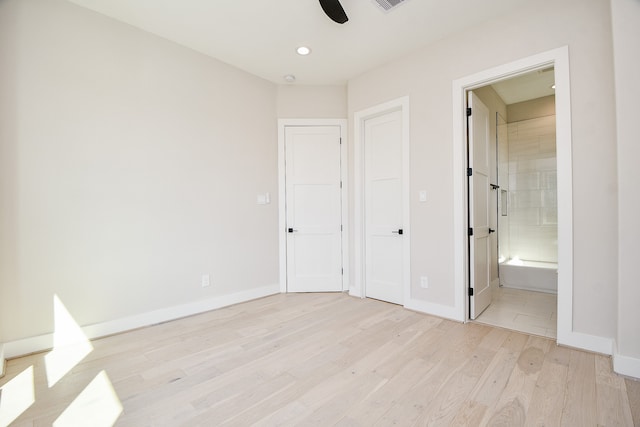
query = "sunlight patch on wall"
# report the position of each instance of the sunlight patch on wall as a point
(16, 396)
(70, 344)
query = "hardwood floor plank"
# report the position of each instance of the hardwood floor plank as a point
(580, 397)
(547, 399)
(373, 406)
(633, 394)
(511, 408)
(612, 399)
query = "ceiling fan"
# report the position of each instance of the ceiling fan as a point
(334, 10)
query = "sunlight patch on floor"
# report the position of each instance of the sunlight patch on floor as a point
(97, 406)
(16, 396)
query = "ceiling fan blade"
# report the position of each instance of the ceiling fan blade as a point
(334, 10)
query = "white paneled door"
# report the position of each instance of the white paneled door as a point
(479, 189)
(383, 207)
(313, 208)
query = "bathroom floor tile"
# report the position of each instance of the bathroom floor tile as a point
(523, 311)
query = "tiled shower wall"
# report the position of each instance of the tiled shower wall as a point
(533, 206)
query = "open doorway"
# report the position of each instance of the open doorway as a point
(558, 59)
(521, 194)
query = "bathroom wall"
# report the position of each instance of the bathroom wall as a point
(533, 233)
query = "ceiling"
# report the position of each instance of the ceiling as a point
(535, 84)
(261, 36)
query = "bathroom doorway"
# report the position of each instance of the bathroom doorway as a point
(523, 204)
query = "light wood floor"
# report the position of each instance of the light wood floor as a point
(330, 359)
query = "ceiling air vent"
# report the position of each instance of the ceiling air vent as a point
(387, 5)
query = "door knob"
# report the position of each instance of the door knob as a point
(491, 230)
(291, 230)
(398, 232)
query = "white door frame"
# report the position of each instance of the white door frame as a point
(401, 104)
(282, 217)
(559, 58)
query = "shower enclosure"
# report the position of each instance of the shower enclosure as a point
(527, 203)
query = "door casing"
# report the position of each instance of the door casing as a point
(559, 59)
(282, 217)
(401, 104)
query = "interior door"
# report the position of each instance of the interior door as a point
(383, 207)
(479, 188)
(313, 208)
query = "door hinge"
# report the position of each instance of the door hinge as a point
(340, 140)
(469, 112)
(470, 232)
(340, 184)
(470, 292)
(469, 171)
(341, 229)
(342, 271)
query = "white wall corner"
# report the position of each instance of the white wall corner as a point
(625, 365)
(45, 342)
(3, 362)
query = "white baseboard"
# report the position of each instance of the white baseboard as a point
(44, 342)
(586, 342)
(439, 310)
(625, 365)
(2, 360)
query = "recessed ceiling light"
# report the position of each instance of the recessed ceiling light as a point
(289, 78)
(303, 50)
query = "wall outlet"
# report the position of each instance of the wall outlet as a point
(424, 282)
(206, 280)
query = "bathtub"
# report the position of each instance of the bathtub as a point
(529, 275)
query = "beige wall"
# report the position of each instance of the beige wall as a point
(317, 102)
(426, 77)
(626, 33)
(128, 170)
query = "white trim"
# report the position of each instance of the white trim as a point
(560, 59)
(45, 342)
(625, 365)
(282, 206)
(586, 342)
(3, 361)
(433, 309)
(401, 104)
